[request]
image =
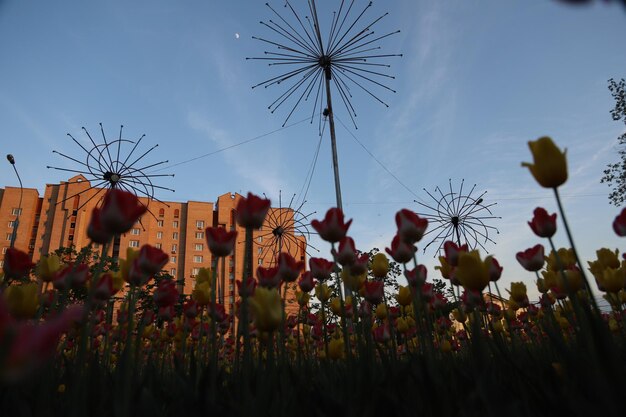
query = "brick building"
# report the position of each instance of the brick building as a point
(60, 219)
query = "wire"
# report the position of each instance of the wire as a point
(376, 159)
(231, 146)
(309, 177)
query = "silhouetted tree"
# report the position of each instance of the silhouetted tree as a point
(615, 174)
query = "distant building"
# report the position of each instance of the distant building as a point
(60, 219)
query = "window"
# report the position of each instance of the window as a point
(174, 247)
(12, 223)
(199, 235)
(199, 224)
(133, 244)
(199, 246)
(157, 245)
(159, 235)
(231, 276)
(197, 258)
(16, 211)
(173, 272)
(74, 212)
(134, 231)
(260, 262)
(8, 236)
(4, 250)
(232, 299)
(176, 213)
(71, 237)
(73, 225)
(161, 212)
(175, 235)
(173, 259)
(231, 287)
(195, 271)
(231, 263)
(160, 223)
(259, 251)
(175, 224)
(260, 239)
(1, 264)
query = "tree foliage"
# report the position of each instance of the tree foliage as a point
(615, 174)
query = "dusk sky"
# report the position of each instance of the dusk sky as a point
(477, 81)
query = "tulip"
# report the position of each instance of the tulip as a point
(380, 265)
(352, 281)
(619, 224)
(22, 301)
(452, 251)
(518, 293)
(151, 259)
(201, 294)
(336, 349)
(381, 311)
(495, 270)
(543, 224)
(321, 268)
(268, 277)
(96, 230)
(322, 292)
(382, 333)
(120, 211)
(404, 296)
(47, 267)
(303, 298)
(445, 268)
(306, 282)
(359, 267)
(166, 293)
(472, 272)
(72, 276)
(333, 228)
(17, 264)
(566, 258)
(288, 268)
(251, 211)
(550, 164)
(613, 280)
(204, 275)
(532, 259)
(249, 289)
(373, 291)
(220, 241)
(411, 227)
(267, 309)
(103, 289)
(416, 276)
(346, 254)
(401, 251)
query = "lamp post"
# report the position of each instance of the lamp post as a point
(16, 223)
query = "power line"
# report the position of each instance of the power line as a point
(231, 146)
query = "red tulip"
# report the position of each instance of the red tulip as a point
(332, 229)
(495, 270)
(382, 333)
(190, 309)
(71, 276)
(321, 268)
(220, 241)
(96, 230)
(619, 224)
(411, 227)
(401, 251)
(373, 291)
(251, 211)
(360, 264)
(288, 268)
(268, 277)
(543, 224)
(346, 254)
(452, 252)
(120, 211)
(166, 293)
(416, 276)
(532, 259)
(306, 282)
(248, 290)
(151, 259)
(104, 288)
(17, 264)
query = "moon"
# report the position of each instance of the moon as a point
(236, 35)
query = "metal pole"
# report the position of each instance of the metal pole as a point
(16, 223)
(333, 141)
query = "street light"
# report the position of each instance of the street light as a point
(16, 224)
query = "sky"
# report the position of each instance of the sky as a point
(476, 82)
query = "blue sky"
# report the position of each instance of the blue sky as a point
(477, 81)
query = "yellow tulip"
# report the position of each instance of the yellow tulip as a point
(22, 300)
(566, 256)
(267, 309)
(125, 264)
(445, 269)
(118, 280)
(303, 298)
(518, 292)
(550, 164)
(204, 275)
(202, 293)
(404, 296)
(353, 282)
(335, 305)
(322, 292)
(541, 286)
(380, 265)
(613, 280)
(497, 326)
(401, 325)
(446, 346)
(335, 349)
(381, 311)
(472, 272)
(47, 267)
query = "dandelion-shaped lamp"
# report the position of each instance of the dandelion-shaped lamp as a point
(460, 216)
(108, 164)
(347, 59)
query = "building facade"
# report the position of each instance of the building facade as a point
(60, 218)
